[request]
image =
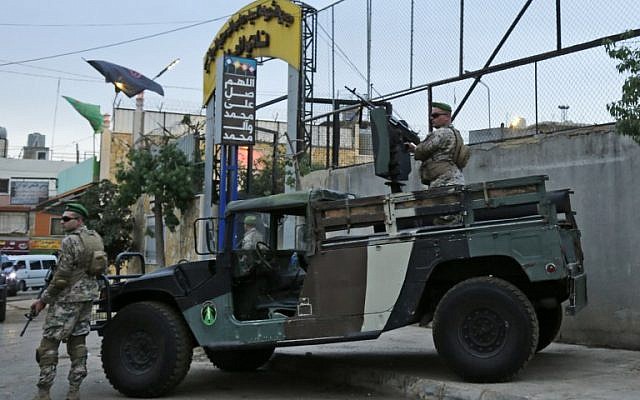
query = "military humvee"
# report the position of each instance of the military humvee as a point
(488, 265)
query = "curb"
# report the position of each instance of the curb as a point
(379, 380)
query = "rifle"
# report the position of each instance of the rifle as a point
(399, 125)
(32, 314)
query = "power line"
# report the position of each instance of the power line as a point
(99, 25)
(346, 58)
(52, 77)
(113, 44)
(52, 70)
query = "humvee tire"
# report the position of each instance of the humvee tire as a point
(549, 322)
(240, 359)
(146, 350)
(486, 329)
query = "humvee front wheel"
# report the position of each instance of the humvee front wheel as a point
(146, 350)
(240, 359)
(486, 329)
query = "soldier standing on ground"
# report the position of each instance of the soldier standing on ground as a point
(438, 151)
(69, 296)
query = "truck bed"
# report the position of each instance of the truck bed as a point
(468, 205)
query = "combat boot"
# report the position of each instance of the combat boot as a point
(73, 393)
(43, 394)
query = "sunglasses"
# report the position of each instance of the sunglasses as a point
(436, 115)
(67, 219)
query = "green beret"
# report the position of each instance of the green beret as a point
(442, 106)
(78, 209)
(250, 220)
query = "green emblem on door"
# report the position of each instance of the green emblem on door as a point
(208, 313)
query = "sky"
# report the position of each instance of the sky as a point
(30, 92)
(30, 100)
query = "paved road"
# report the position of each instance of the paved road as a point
(400, 363)
(204, 381)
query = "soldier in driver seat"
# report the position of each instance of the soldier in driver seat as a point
(251, 234)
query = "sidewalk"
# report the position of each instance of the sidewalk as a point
(400, 363)
(405, 362)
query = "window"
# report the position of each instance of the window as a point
(150, 241)
(14, 223)
(365, 142)
(4, 186)
(48, 264)
(56, 227)
(246, 236)
(35, 265)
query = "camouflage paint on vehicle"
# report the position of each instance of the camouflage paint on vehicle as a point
(370, 265)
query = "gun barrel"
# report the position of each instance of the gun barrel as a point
(29, 318)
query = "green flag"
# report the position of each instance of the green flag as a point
(90, 111)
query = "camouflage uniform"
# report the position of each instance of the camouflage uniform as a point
(251, 237)
(69, 296)
(436, 153)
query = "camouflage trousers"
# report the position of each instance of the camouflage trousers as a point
(450, 177)
(70, 323)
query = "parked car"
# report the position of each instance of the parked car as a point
(27, 271)
(9, 278)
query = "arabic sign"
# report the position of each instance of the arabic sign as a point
(13, 246)
(29, 192)
(45, 244)
(261, 29)
(236, 102)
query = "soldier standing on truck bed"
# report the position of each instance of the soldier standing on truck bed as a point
(70, 296)
(443, 153)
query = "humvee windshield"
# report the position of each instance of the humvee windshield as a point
(253, 227)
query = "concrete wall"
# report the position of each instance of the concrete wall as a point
(602, 168)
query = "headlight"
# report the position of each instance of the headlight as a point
(12, 275)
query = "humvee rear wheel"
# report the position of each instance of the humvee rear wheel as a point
(146, 350)
(549, 321)
(486, 329)
(239, 360)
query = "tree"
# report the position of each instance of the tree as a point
(264, 181)
(626, 111)
(114, 223)
(165, 173)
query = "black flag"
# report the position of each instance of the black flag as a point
(125, 80)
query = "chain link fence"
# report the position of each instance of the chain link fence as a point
(413, 44)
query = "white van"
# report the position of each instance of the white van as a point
(30, 270)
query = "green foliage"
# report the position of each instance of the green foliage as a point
(626, 111)
(306, 166)
(262, 180)
(164, 173)
(114, 223)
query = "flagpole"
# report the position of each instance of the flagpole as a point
(55, 115)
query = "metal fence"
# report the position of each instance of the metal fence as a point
(398, 50)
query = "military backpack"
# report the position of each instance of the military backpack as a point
(462, 152)
(94, 256)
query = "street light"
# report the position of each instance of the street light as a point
(488, 97)
(167, 68)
